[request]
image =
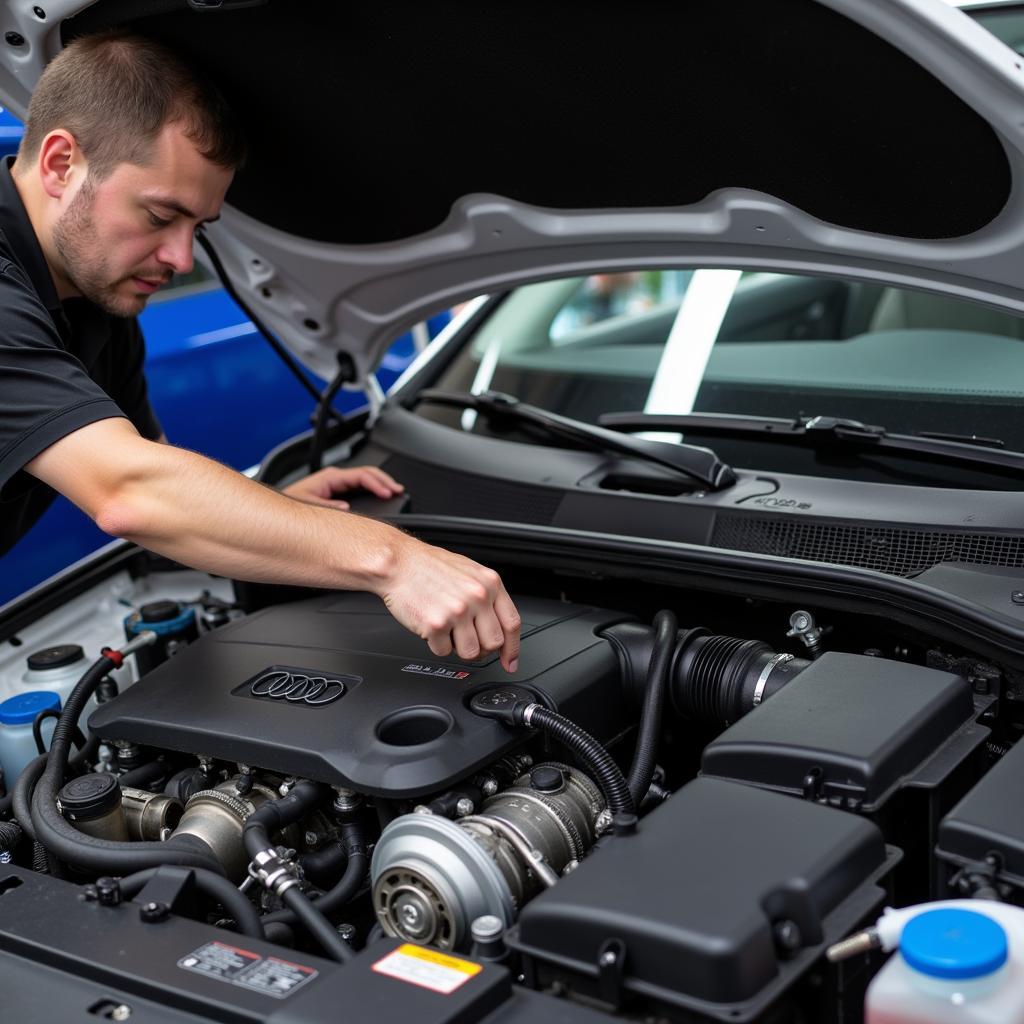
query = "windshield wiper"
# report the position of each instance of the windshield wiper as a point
(699, 464)
(824, 431)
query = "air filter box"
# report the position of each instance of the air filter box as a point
(692, 904)
(849, 731)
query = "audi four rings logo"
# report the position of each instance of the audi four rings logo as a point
(297, 687)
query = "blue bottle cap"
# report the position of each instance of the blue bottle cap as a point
(23, 708)
(953, 944)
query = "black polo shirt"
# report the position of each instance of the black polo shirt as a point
(62, 366)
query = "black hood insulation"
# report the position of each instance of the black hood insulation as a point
(366, 122)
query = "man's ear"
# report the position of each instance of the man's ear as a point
(59, 157)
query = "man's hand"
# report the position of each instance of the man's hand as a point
(452, 602)
(320, 488)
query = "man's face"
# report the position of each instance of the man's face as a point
(122, 238)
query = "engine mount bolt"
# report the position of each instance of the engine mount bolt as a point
(346, 800)
(464, 806)
(347, 932)
(311, 839)
(489, 787)
(121, 1012)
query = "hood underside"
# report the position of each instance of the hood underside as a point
(406, 155)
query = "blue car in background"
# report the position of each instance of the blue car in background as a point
(217, 388)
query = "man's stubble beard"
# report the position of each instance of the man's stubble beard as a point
(84, 264)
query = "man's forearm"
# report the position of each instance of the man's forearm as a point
(205, 515)
(196, 511)
(199, 512)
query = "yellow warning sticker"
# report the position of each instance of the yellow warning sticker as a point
(427, 968)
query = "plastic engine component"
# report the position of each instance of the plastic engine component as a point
(988, 821)
(849, 730)
(696, 898)
(334, 690)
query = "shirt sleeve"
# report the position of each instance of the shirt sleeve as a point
(45, 392)
(128, 386)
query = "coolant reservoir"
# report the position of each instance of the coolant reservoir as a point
(954, 964)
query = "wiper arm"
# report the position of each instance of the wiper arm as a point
(822, 431)
(699, 464)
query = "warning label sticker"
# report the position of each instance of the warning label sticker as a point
(269, 975)
(427, 968)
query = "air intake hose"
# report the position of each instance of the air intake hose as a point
(712, 679)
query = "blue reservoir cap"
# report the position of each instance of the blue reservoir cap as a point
(954, 944)
(23, 708)
(135, 623)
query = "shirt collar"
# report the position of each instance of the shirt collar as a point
(17, 228)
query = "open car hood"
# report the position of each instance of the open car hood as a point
(405, 156)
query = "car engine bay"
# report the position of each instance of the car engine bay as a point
(655, 818)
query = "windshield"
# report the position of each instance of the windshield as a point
(765, 344)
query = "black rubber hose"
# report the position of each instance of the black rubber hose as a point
(143, 776)
(275, 815)
(10, 835)
(64, 841)
(641, 771)
(317, 925)
(37, 730)
(347, 886)
(324, 864)
(260, 826)
(597, 760)
(22, 792)
(217, 887)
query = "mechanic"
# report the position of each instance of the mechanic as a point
(126, 152)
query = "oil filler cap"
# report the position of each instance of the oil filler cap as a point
(953, 944)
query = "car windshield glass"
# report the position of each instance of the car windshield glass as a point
(752, 343)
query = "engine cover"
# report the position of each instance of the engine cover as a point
(391, 719)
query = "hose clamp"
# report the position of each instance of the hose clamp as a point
(762, 679)
(528, 713)
(273, 872)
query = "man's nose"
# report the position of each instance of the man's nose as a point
(175, 252)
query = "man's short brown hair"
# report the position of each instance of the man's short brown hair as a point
(115, 91)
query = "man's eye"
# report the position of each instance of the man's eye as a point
(157, 222)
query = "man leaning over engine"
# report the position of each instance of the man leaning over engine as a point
(126, 152)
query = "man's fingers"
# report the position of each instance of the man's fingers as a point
(467, 644)
(508, 617)
(385, 478)
(440, 644)
(489, 631)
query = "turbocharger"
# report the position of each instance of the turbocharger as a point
(432, 877)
